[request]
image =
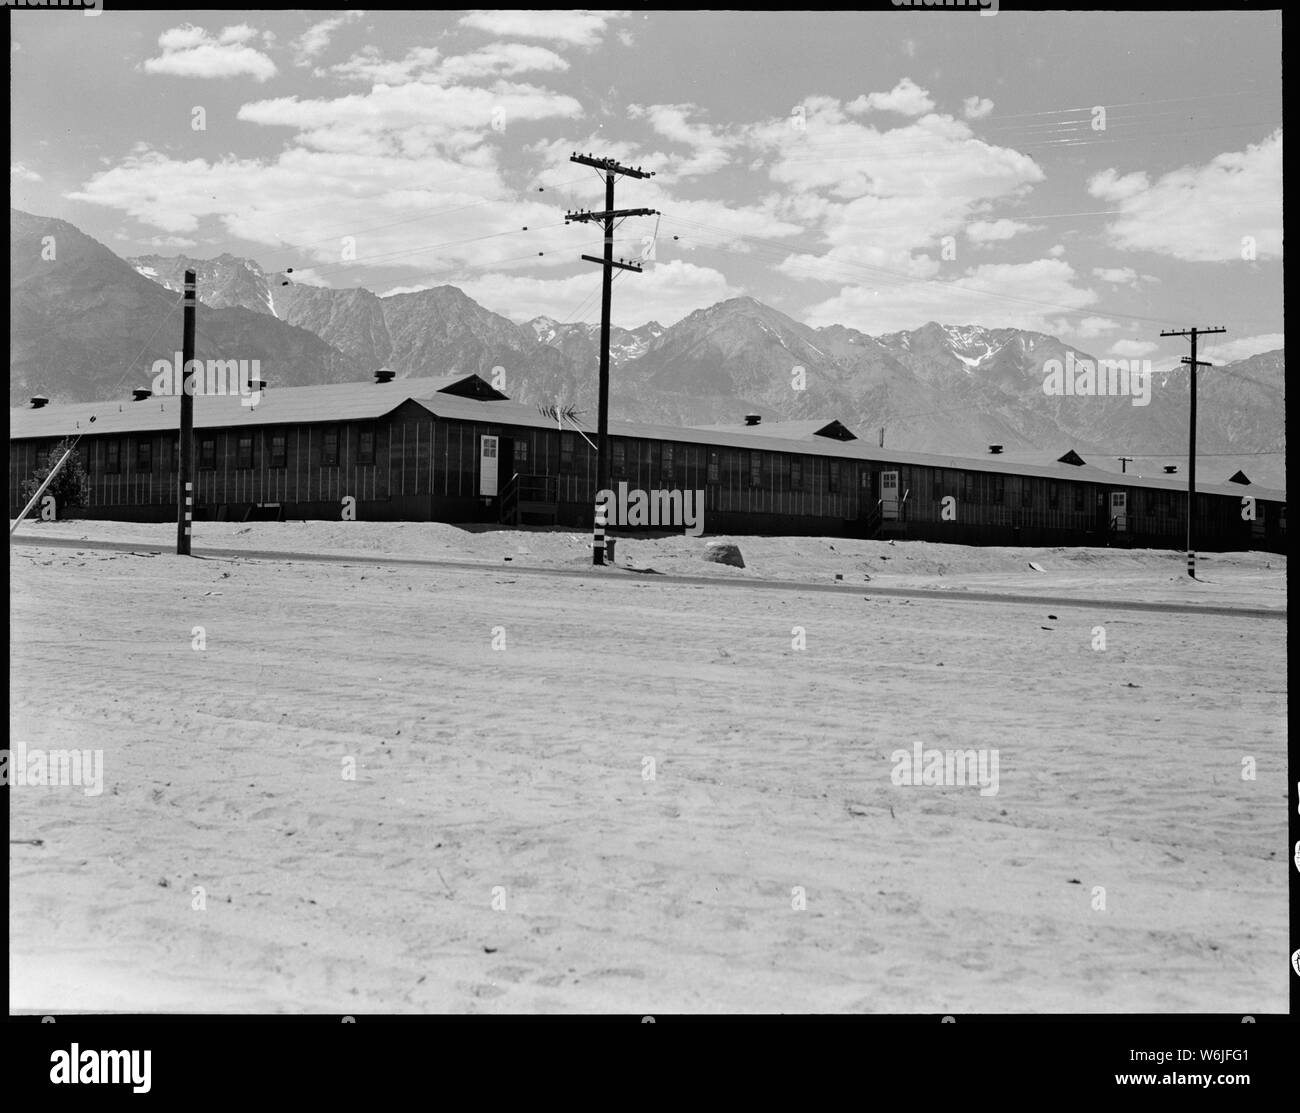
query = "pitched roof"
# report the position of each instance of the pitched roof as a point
(368, 400)
(278, 406)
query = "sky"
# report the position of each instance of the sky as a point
(1099, 176)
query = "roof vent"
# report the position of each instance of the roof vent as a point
(256, 385)
(383, 375)
(39, 400)
(140, 393)
(995, 449)
(1171, 469)
(752, 419)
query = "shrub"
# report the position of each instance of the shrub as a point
(71, 487)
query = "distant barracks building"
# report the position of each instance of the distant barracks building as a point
(456, 450)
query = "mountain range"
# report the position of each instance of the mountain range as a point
(79, 319)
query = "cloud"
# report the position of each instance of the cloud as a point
(425, 63)
(663, 292)
(171, 242)
(1242, 348)
(23, 173)
(240, 33)
(1056, 250)
(996, 295)
(1119, 276)
(369, 66)
(906, 98)
(1094, 326)
(976, 108)
(1132, 349)
(711, 148)
(991, 231)
(884, 199)
(190, 51)
(500, 60)
(316, 38)
(307, 276)
(412, 119)
(394, 206)
(575, 28)
(1205, 213)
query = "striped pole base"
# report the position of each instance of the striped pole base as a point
(598, 536)
(1191, 564)
(183, 549)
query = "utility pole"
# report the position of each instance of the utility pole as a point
(1124, 462)
(185, 460)
(1192, 364)
(611, 170)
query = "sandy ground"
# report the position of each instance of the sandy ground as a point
(1151, 575)
(518, 776)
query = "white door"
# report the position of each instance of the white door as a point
(889, 494)
(487, 466)
(1119, 510)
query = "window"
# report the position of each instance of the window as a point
(970, 487)
(1078, 496)
(618, 457)
(715, 471)
(208, 452)
(666, 469)
(366, 446)
(566, 452)
(833, 476)
(244, 450)
(755, 470)
(521, 453)
(938, 484)
(1053, 495)
(999, 489)
(113, 457)
(279, 450)
(42, 458)
(329, 448)
(144, 455)
(1026, 492)
(796, 474)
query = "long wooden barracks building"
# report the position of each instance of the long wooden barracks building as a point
(454, 449)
